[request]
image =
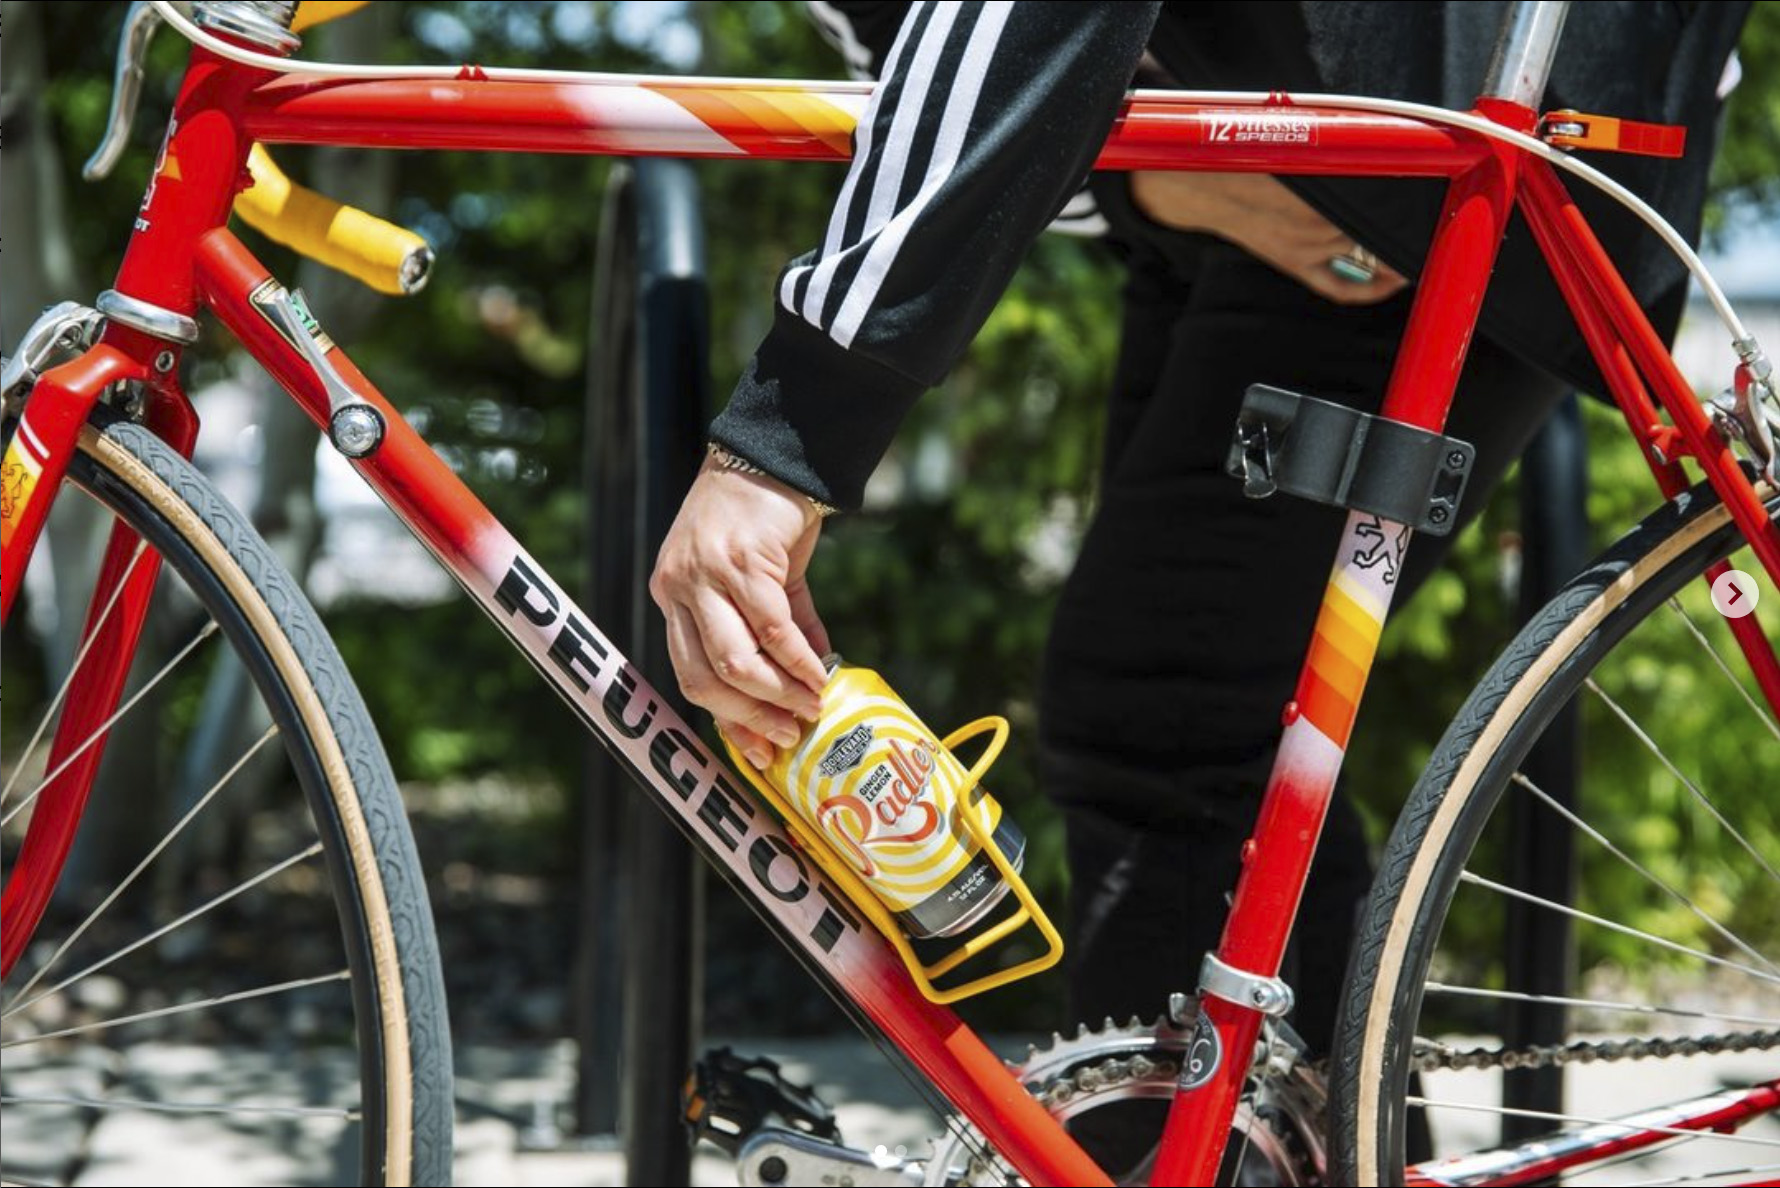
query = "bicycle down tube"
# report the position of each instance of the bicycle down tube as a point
(662, 751)
(182, 257)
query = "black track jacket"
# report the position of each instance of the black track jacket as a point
(990, 115)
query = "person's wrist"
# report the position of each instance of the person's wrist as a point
(1178, 201)
(722, 458)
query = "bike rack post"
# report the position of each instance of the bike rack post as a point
(1541, 956)
(651, 394)
(609, 467)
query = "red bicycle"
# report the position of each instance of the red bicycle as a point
(109, 431)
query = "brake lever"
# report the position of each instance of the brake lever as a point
(140, 24)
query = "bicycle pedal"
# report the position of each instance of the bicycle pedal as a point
(728, 1098)
(774, 1157)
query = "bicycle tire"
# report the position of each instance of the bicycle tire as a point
(1546, 667)
(391, 981)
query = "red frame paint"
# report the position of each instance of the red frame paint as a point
(1721, 1112)
(183, 258)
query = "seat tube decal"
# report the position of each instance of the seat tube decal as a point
(1348, 626)
(19, 475)
(1318, 721)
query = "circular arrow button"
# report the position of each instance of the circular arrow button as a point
(1735, 594)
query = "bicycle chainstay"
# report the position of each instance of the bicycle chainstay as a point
(1429, 1058)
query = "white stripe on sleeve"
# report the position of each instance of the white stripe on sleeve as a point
(892, 163)
(967, 85)
(837, 30)
(837, 222)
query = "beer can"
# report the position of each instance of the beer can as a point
(886, 795)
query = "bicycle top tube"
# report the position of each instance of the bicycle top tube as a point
(1530, 37)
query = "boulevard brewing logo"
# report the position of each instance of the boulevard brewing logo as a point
(846, 752)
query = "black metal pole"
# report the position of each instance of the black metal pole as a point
(663, 967)
(609, 467)
(1540, 946)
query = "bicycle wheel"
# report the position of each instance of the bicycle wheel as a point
(1674, 985)
(236, 980)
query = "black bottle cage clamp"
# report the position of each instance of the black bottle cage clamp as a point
(1333, 454)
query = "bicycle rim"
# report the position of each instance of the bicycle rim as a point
(1675, 920)
(236, 980)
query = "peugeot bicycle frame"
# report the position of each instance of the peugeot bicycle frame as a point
(183, 258)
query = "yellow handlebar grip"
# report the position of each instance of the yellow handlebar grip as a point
(384, 256)
(311, 13)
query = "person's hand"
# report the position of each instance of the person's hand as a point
(1264, 218)
(741, 628)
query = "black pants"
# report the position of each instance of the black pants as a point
(1179, 635)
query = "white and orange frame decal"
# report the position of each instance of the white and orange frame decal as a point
(19, 474)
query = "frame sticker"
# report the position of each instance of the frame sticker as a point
(1246, 126)
(269, 291)
(19, 473)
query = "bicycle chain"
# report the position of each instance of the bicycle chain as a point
(1428, 1058)
(1105, 1075)
(1112, 1073)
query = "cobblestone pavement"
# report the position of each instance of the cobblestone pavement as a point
(511, 1099)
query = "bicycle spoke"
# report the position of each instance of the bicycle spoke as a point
(86, 645)
(1514, 893)
(143, 865)
(204, 633)
(1427, 1103)
(1755, 707)
(167, 1107)
(1676, 772)
(1425, 1041)
(1653, 879)
(1596, 1003)
(182, 1008)
(158, 933)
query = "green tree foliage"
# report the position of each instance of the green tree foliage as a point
(1748, 166)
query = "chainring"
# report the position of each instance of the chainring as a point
(1278, 1126)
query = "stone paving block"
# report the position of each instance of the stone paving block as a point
(131, 1145)
(43, 1140)
(507, 1091)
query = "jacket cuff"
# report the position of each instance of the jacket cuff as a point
(814, 415)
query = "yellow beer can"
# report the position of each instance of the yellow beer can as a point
(886, 795)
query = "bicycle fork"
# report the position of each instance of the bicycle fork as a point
(36, 462)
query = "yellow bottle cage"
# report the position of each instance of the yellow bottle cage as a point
(311, 13)
(388, 258)
(817, 846)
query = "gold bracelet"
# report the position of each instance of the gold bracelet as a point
(728, 460)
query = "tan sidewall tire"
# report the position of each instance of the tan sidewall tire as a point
(1362, 1084)
(369, 826)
